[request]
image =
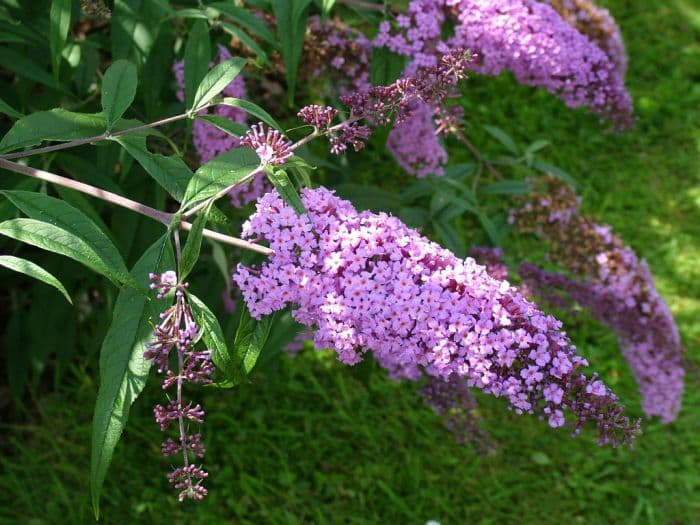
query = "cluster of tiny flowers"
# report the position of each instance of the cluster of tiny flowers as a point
(366, 282)
(337, 51)
(393, 104)
(453, 400)
(270, 145)
(526, 37)
(614, 285)
(598, 25)
(209, 141)
(415, 145)
(178, 331)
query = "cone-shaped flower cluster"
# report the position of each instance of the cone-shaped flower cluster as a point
(616, 286)
(366, 282)
(526, 37)
(177, 333)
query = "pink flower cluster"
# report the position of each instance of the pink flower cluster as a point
(366, 282)
(178, 332)
(415, 145)
(526, 37)
(209, 141)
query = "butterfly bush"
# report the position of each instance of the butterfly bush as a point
(209, 141)
(178, 332)
(366, 282)
(614, 284)
(526, 37)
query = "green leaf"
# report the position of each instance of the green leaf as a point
(170, 172)
(327, 5)
(252, 109)
(24, 67)
(123, 368)
(56, 124)
(197, 58)
(291, 17)
(386, 66)
(118, 90)
(249, 341)
(59, 24)
(219, 173)
(502, 137)
(8, 110)
(213, 335)
(33, 270)
(286, 189)
(490, 228)
(216, 80)
(246, 19)
(84, 241)
(226, 125)
(190, 253)
(246, 40)
(135, 26)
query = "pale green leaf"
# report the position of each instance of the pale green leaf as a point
(33, 270)
(118, 90)
(216, 80)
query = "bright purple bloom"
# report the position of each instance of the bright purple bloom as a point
(416, 306)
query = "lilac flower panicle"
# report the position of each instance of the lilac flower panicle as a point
(415, 145)
(365, 282)
(269, 144)
(178, 332)
(526, 37)
(613, 284)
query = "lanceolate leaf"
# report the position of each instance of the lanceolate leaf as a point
(59, 24)
(246, 19)
(227, 125)
(53, 222)
(219, 173)
(8, 110)
(118, 90)
(252, 109)
(237, 33)
(386, 66)
(190, 252)
(56, 124)
(291, 16)
(170, 172)
(286, 190)
(502, 137)
(216, 80)
(135, 28)
(249, 341)
(123, 368)
(213, 335)
(197, 57)
(33, 270)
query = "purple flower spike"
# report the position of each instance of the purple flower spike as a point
(178, 331)
(366, 282)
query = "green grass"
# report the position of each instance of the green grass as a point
(314, 442)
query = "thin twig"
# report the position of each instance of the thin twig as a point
(108, 196)
(96, 138)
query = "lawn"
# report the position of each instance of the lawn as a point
(311, 441)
